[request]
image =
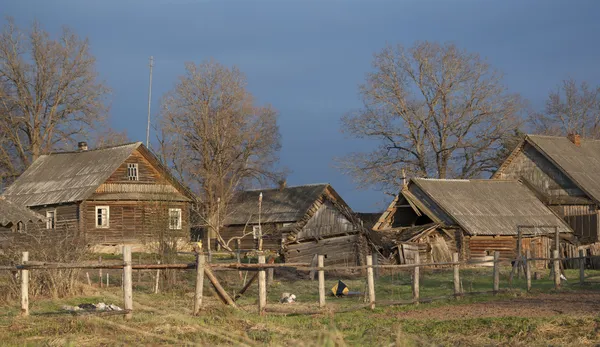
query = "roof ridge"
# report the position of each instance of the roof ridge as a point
(561, 137)
(95, 149)
(287, 187)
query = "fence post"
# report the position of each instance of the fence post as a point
(262, 286)
(25, 286)
(528, 269)
(199, 282)
(127, 281)
(375, 263)
(156, 280)
(496, 271)
(415, 287)
(556, 269)
(581, 267)
(270, 272)
(313, 263)
(100, 271)
(107, 281)
(457, 290)
(321, 262)
(371, 282)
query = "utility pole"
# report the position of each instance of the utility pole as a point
(149, 102)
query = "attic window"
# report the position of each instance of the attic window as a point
(50, 218)
(132, 172)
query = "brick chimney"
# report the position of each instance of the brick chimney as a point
(82, 146)
(575, 138)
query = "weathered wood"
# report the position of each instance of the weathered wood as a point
(581, 267)
(415, 282)
(321, 263)
(252, 279)
(457, 290)
(370, 282)
(127, 282)
(221, 293)
(89, 281)
(496, 271)
(262, 287)
(199, 283)
(100, 271)
(313, 263)
(528, 269)
(556, 269)
(107, 280)
(156, 280)
(375, 264)
(270, 274)
(25, 286)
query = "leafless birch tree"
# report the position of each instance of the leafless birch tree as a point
(434, 110)
(571, 108)
(216, 139)
(49, 94)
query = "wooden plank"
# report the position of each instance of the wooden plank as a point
(415, 282)
(25, 286)
(321, 263)
(199, 283)
(496, 271)
(262, 287)
(457, 290)
(127, 282)
(370, 282)
(581, 267)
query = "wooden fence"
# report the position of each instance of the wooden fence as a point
(204, 269)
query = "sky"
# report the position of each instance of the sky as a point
(307, 58)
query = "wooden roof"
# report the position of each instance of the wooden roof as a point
(580, 163)
(71, 176)
(279, 205)
(487, 207)
(11, 213)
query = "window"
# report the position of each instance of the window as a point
(175, 218)
(132, 172)
(50, 219)
(256, 231)
(20, 227)
(102, 216)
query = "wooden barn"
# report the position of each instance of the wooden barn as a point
(111, 196)
(564, 172)
(298, 222)
(472, 217)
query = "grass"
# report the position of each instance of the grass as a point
(165, 318)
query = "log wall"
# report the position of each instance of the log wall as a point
(341, 250)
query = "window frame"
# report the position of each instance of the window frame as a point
(102, 207)
(20, 227)
(51, 222)
(256, 231)
(179, 218)
(133, 168)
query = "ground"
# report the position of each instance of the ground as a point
(542, 317)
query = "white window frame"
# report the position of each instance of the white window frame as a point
(51, 221)
(102, 226)
(286, 224)
(133, 174)
(172, 225)
(256, 231)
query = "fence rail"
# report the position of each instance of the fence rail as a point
(127, 267)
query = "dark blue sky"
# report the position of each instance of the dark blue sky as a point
(307, 57)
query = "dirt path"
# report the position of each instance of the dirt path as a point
(574, 304)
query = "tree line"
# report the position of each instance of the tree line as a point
(434, 109)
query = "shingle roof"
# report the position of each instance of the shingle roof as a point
(491, 207)
(289, 204)
(580, 163)
(11, 213)
(67, 176)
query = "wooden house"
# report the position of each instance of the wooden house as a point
(111, 196)
(472, 217)
(298, 222)
(564, 172)
(15, 220)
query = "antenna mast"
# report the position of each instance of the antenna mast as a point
(149, 101)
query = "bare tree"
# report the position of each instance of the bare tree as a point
(216, 139)
(49, 94)
(571, 108)
(434, 110)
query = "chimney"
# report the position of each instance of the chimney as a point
(575, 138)
(82, 146)
(282, 184)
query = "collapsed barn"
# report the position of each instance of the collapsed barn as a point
(474, 218)
(297, 222)
(15, 220)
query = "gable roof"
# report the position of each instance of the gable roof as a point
(580, 163)
(489, 207)
(279, 205)
(68, 176)
(11, 213)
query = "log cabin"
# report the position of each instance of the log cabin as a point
(564, 174)
(298, 222)
(474, 218)
(110, 196)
